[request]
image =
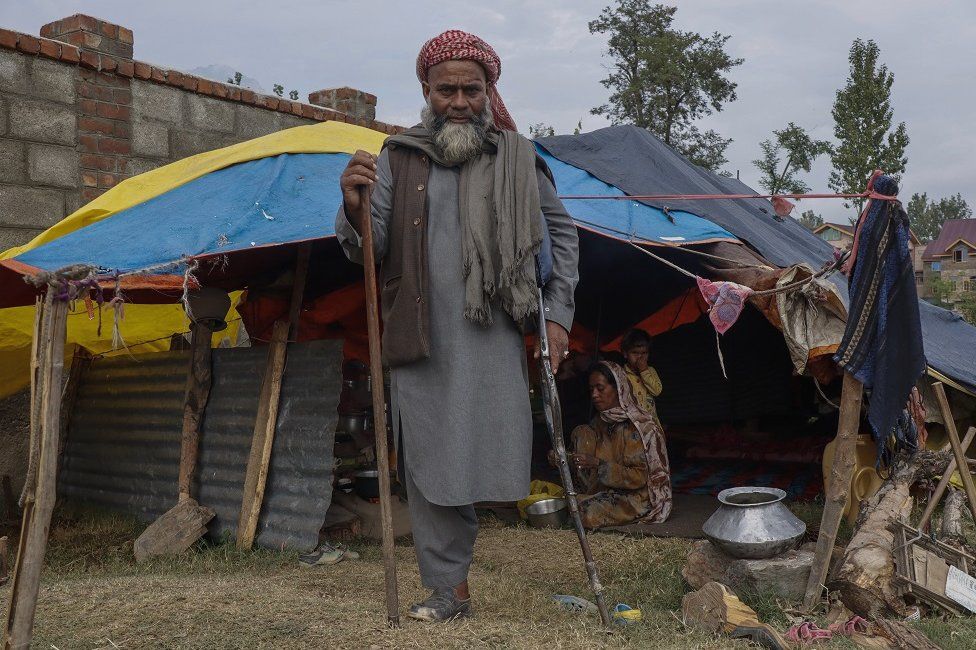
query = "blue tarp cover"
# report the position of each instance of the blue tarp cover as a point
(275, 200)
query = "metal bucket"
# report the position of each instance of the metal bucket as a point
(547, 513)
(753, 523)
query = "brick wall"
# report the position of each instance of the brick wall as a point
(78, 114)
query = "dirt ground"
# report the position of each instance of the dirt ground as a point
(94, 596)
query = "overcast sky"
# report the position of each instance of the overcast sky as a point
(795, 59)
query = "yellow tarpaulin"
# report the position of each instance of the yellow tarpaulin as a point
(148, 322)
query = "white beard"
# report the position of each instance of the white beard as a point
(457, 143)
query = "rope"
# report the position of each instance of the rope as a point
(871, 194)
(630, 237)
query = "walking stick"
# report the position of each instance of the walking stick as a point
(379, 412)
(554, 424)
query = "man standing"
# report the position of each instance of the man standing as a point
(460, 206)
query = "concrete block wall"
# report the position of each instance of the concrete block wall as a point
(39, 180)
(78, 115)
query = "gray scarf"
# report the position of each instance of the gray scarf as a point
(501, 228)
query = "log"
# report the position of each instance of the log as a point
(80, 362)
(174, 532)
(864, 578)
(900, 635)
(951, 529)
(839, 485)
(957, 452)
(944, 481)
(714, 608)
(199, 378)
(49, 353)
(262, 442)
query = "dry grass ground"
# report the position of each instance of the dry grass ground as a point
(94, 596)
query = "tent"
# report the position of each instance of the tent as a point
(233, 218)
(228, 216)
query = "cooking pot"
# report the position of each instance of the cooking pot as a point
(753, 523)
(547, 513)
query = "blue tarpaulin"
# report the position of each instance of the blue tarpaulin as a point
(275, 200)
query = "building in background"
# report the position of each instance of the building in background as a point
(950, 259)
(838, 235)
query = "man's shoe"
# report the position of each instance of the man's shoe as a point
(442, 605)
(327, 554)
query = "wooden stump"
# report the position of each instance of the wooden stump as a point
(714, 608)
(864, 578)
(174, 532)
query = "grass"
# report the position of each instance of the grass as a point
(93, 595)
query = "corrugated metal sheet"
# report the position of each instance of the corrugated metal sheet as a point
(123, 445)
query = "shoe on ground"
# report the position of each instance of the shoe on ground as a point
(442, 605)
(327, 554)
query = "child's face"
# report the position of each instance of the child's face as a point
(637, 357)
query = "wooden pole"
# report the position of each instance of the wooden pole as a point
(298, 288)
(950, 425)
(199, 378)
(80, 361)
(379, 413)
(259, 460)
(19, 627)
(262, 442)
(944, 482)
(841, 472)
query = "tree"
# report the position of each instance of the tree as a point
(967, 307)
(810, 220)
(927, 216)
(663, 79)
(541, 130)
(236, 79)
(799, 150)
(941, 291)
(863, 124)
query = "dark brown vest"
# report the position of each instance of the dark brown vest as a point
(404, 272)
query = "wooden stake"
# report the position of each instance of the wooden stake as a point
(199, 378)
(841, 473)
(19, 627)
(944, 482)
(80, 361)
(950, 425)
(298, 288)
(263, 440)
(379, 413)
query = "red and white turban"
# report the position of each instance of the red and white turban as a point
(455, 45)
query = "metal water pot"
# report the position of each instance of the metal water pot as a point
(753, 523)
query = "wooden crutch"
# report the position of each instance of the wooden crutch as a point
(379, 411)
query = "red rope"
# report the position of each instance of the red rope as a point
(696, 197)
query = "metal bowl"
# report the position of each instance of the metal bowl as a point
(547, 513)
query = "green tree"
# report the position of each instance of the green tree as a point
(967, 307)
(810, 220)
(541, 130)
(663, 79)
(867, 138)
(790, 151)
(236, 79)
(927, 216)
(941, 291)
(278, 90)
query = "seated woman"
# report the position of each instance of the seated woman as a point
(620, 457)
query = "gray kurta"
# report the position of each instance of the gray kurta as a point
(465, 414)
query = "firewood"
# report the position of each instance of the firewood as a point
(952, 517)
(175, 531)
(864, 578)
(715, 608)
